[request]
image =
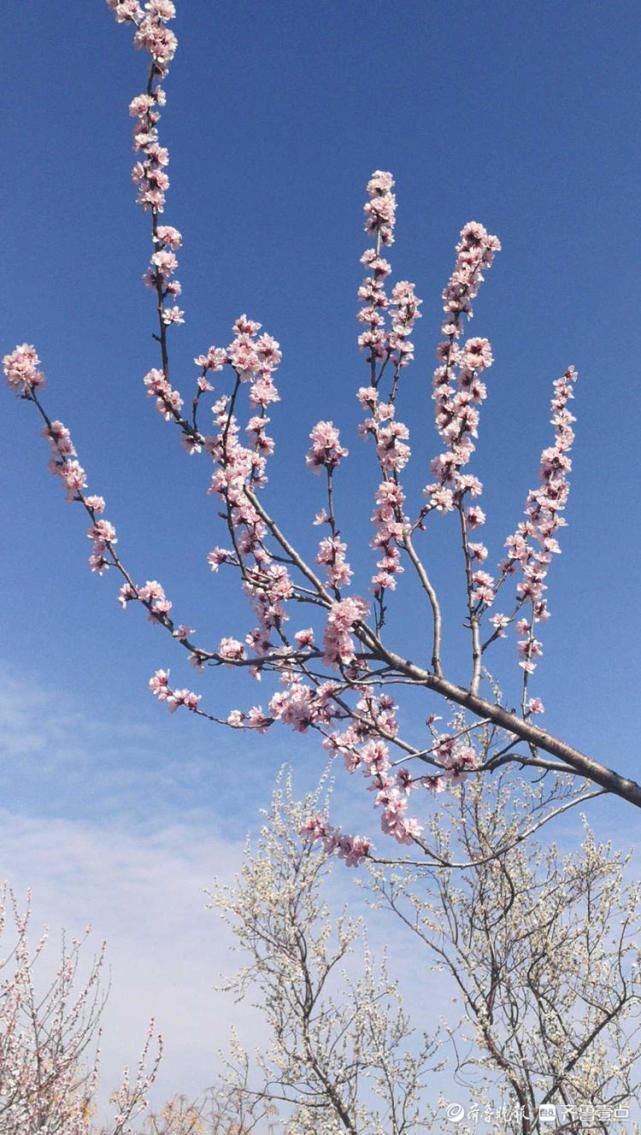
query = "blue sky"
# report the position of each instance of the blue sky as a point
(512, 114)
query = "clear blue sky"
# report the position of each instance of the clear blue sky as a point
(521, 116)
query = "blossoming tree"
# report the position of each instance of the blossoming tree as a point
(50, 1034)
(330, 644)
(343, 1054)
(538, 952)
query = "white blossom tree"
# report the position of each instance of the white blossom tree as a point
(543, 949)
(342, 1056)
(540, 949)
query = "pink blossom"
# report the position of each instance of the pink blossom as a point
(95, 503)
(163, 9)
(338, 643)
(483, 588)
(21, 368)
(305, 638)
(231, 650)
(126, 594)
(326, 450)
(172, 315)
(218, 556)
(182, 632)
(125, 10)
(475, 517)
(187, 698)
(499, 622)
(168, 235)
(331, 554)
(158, 40)
(380, 210)
(159, 684)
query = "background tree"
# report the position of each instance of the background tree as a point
(49, 1037)
(342, 1055)
(541, 950)
(178, 1116)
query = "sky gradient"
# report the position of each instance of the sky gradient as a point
(514, 115)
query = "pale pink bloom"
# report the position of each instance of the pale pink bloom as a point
(326, 450)
(477, 354)
(535, 705)
(74, 476)
(21, 368)
(140, 105)
(331, 554)
(158, 40)
(368, 397)
(163, 9)
(440, 498)
(216, 557)
(483, 587)
(191, 444)
(167, 234)
(165, 262)
(177, 698)
(60, 438)
(172, 315)
(125, 10)
(245, 326)
(375, 756)
(305, 638)
(435, 784)
(499, 622)
(231, 650)
(263, 391)
(126, 594)
(315, 827)
(478, 552)
(182, 632)
(95, 503)
(215, 359)
(353, 849)
(104, 531)
(152, 590)
(338, 643)
(159, 684)
(475, 516)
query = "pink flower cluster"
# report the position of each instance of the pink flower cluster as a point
(457, 759)
(174, 699)
(326, 451)
(338, 642)
(331, 555)
(21, 370)
(151, 34)
(531, 547)
(458, 388)
(363, 746)
(393, 453)
(381, 341)
(389, 520)
(352, 848)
